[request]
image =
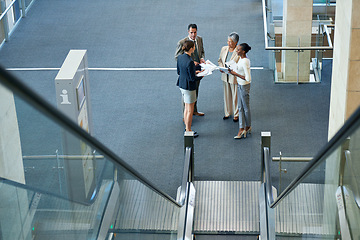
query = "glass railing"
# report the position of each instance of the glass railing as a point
(2, 31)
(298, 58)
(10, 15)
(87, 194)
(27, 213)
(351, 185)
(324, 199)
(297, 70)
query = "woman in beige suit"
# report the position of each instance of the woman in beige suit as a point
(227, 54)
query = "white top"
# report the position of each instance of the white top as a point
(243, 68)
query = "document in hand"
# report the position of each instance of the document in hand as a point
(230, 64)
(207, 68)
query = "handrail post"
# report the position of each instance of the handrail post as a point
(267, 214)
(189, 142)
(265, 142)
(354, 184)
(58, 169)
(280, 170)
(186, 192)
(23, 8)
(344, 147)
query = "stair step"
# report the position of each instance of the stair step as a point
(226, 206)
(302, 212)
(141, 209)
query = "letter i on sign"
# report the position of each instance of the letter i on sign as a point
(65, 97)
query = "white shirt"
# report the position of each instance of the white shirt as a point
(243, 68)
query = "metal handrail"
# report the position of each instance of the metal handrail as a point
(28, 95)
(186, 175)
(330, 47)
(349, 127)
(7, 9)
(268, 183)
(292, 159)
(328, 36)
(39, 190)
(73, 157)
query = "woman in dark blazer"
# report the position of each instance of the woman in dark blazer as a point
(187, 82)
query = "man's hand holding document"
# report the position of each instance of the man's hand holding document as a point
(208, 67)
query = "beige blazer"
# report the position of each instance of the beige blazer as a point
(200, 47)
(222, 60)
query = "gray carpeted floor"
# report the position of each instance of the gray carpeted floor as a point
(138, 113)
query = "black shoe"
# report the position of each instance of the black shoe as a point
(236, 119)
(225, 117)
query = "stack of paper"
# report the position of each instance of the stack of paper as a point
(208, 67)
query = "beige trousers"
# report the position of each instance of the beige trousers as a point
(230, 99)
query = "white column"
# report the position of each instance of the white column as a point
(297, 29)
(345, 83)
(11, 164)
(345, 97)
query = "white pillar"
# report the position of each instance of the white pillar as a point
(11, 164)
(344, 99)
(297, 30)
(345, 83)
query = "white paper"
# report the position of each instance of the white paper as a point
(204, 73)
(230, 64)
(208, 67)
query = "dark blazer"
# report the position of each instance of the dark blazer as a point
(186, 72)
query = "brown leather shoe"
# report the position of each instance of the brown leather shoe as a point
(199, 113)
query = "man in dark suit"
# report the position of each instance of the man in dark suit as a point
(198, 56)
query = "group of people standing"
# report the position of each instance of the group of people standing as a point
(236, 80)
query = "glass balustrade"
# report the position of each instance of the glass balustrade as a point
(2, 31)
(11, 13)
(351, 183)
(298, 58)
(30, 214)
(326, 200)
(311, 208)
(77, 192)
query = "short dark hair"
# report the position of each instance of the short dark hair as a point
(245, 47)
(187, 45)
(192, 25)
